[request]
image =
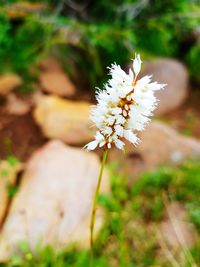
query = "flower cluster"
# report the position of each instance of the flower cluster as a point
(124, 106)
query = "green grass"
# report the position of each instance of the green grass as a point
(129, 236)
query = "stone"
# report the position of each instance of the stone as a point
(54, 202)
(64, 119)
(8, 174)
(160, 144)
(175, 75)
(57, 83)
(9, 82)
(178, 233)
(50, 64)
(16, 105)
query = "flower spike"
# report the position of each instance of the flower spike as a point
(123, 107)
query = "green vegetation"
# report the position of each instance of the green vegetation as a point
(193, 61)
(90, 35)
(130, 236)
(7, 171)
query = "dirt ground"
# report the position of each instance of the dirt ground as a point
(185, 119)
(19, 136)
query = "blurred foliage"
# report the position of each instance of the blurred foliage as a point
(90, 35)
(130, 237)
(12, 188)
(21, 46)
(193, 61)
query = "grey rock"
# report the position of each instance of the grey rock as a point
(53, 204)
(175, 75)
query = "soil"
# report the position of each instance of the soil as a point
(185, 119)
(19, 136)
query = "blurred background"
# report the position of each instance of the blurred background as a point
(53, 55)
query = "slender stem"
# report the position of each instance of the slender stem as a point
(92, 219)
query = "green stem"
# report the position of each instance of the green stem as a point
(92, 219)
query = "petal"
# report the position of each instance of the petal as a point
(131, 137)
(107, 131)
(119, 130)
(119, 144)
(143, 82)
(91, 146)
(156, 86)
(131, 74)
(137, 65)
(102, 144)
(99, 137)
(116, 111)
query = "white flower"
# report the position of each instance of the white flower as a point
(123, 107)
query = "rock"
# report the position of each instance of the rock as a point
(9, 82)
(57, 83)
(175, 75)
(178, 233)
(53, 204)
(16, 105)
(8, 174)
(65, 120)
(50, 64)
(160, 144)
